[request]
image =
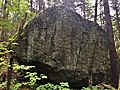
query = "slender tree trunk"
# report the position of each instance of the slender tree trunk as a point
(95, 18)
(21, 27)
(117, 18)
(3, 32)
(2, 5)
(41, 5)
(5, 8)
(112, 51)
(119, 83)
(9, 75)
(31, 5)
(101, 15)
(84, 9)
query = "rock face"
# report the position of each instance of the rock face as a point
(64, 46)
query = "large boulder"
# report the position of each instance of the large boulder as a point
(64, 46)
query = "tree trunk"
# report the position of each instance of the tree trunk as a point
(41, 5)
(84, 9)
(117, 18)
(9, 75)
(3, 32)
(31, 5)
(95, 18)
(101, 15)
(119, 83)
(112, 51)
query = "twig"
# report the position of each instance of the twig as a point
(108, 86)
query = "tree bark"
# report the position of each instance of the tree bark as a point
(112, 51)
(84, 9)
(95, 18)
(101, 15)
(31, 5)
(117, 18)
(9, 75)
(41, 5)
(3, 32)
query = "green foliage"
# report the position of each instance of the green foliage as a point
(93, 88)
(22, 67)
(16, 11)
(11, 19)
(33, 77)
(49, 86)
(3, 49)
(1, 62)
(3, 85)
(16, 86)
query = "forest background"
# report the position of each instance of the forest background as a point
(15, 14)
